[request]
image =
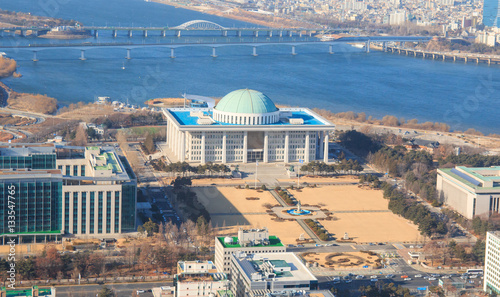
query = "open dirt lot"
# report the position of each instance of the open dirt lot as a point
(373, 227)
(361, 226)
(351, 260)
(230, 209)
(342, 198)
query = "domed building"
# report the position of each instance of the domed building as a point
(246, 126)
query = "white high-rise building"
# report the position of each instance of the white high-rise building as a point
(492, 263)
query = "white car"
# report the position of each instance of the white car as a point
(408, 279)
(360, 276)
(140, 291)
(418, 275)
(373, 276)
(374, 280)
(431, 279)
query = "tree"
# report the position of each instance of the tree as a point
(150, 227)
(26, 268)
(106, 292)
(95, 264)
(80, 137)
(149, 144)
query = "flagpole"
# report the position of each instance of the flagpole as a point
(256, 170)
(298, 178)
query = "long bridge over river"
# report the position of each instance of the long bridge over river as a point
(212, 27)
(191, 26)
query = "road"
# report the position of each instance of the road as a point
(120, 289)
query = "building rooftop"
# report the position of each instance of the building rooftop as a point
(275, 266)
(273, 242)
(25, 150)
(486, 178)
(185, 117)
(246, 101)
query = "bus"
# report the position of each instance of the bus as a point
(474, 271)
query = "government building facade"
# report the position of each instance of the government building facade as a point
(246, 126)
(58, 191)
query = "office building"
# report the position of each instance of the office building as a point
(245, 126)
(470, 191)
(263, 273)
(248, 241)
(58, 190)
(492, 263)
(199, 278)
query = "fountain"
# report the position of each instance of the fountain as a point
(298, 211)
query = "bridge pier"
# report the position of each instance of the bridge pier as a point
(172, 53)
(444, 57)
(21, 33)
(465, 59)
(82, 55)
(256, 33)
(254, 51)
(454, 58)
(129, 33)
(270, 33)
(433, 56)
(114, 33)
(414, 53)
(224, 33)
(384, 47)
(178, 33)
(96, 33)
(145, 33)
(35, 58)
(290, 33)
(300, 33)
(214, 54)
(280, 33)
(310, 33)
(489, 61)
(34, 33)
(293, 50)
(423, 55)
(368, 47)
(238, 33)
(330, 49)
(128, 57)
(163, 33)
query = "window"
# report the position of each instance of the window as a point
(67, 170)
(75, 170)
(82, 170)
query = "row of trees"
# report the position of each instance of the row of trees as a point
(320, 232)
(428, 223)
(474, 160)
(184, 168)
(321, 168)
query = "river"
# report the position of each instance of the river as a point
(462, 95)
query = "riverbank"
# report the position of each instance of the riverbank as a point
(235, 13)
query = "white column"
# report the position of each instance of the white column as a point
(203, 147)
(325, 156)
(104, 211)
(306, 156)
(183, 147)
(224, 158)
(87, 216)
(266, 147)
(245, 147)
(287, 141)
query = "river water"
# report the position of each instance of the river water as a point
(462, 95)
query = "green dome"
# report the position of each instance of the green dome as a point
(246, 101)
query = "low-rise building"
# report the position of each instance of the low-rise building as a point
(248, 241)
(199, 278)
(255, 274)
(470, 191)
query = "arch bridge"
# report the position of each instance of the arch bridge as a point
(199, 25)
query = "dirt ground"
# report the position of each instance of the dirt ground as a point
(360, 226)
(31, 248)
(230, 210)
(351, 260)
(373, 227)
(210, 181)
(342, 198)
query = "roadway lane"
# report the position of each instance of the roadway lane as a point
(125, 289)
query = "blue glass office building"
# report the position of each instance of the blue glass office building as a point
(56, 190)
